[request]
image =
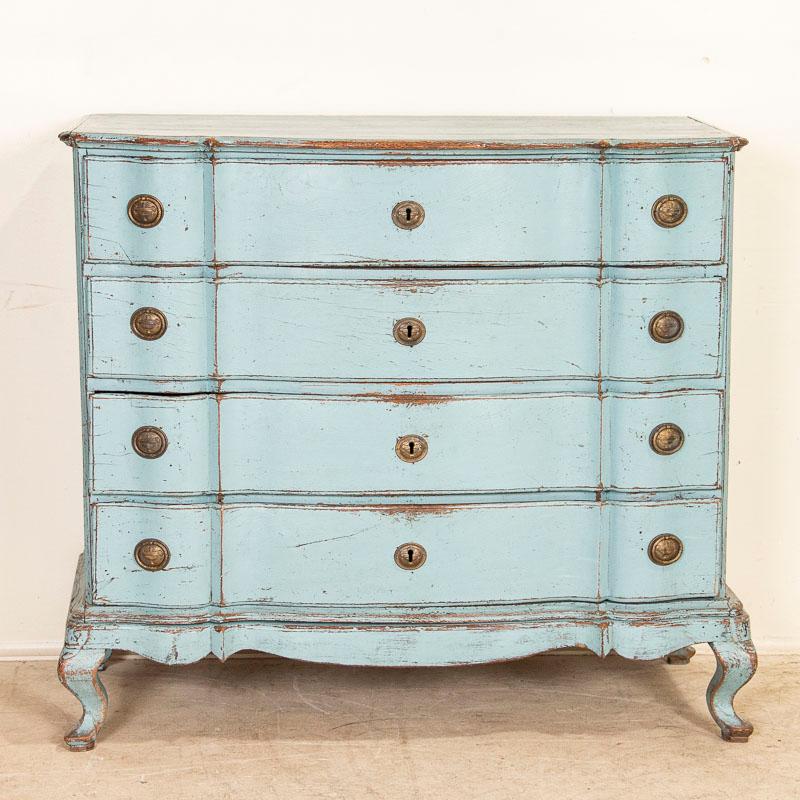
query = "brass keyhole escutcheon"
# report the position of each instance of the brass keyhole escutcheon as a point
(145, 211)
(410, 555)
(666, 327)
(665, 549)
(408, 214)
(666, 439)
(151, 554)
(148, 323)
(409, 331)
(669, 211)
(411, 448)
(149, 441)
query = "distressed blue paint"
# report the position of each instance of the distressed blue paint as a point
(473, 212)
(474, 330)
(111, 183)
(189, 464)
(187, 579)
(630, 463)
(477, 330)
(629, 352)
(186, 350)
(476, 444)
(631, 187)
(282, 392)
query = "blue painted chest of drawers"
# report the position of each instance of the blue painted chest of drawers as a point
(403, 391)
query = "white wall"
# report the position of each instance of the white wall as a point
(734, 64)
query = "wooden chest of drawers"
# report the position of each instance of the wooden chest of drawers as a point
(403, 392)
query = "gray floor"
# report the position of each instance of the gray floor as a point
(565, 726)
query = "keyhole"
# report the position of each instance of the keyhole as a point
(410, 555)
(411, 448)
(409, 329)
(408, 214)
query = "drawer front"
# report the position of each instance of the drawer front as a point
(346, 445)
(351, 445)
(180, 236)
(632, 351)
(301, 213)
(630, 233)
(186, 531)
(121, 347)
(629, 460)
(347, 555)
(474, 554)
(188, 465)
(344, 330)
(474, 330)
(474, 213)
(631, 574)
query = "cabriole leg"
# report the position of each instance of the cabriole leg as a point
(682, 655)
(78, 671)
(736, 664)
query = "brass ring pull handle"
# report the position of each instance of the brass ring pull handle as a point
(145, 211)
(149, 442)
(148, 323)
(669, 211)
(151, 554)
(666, 327)
(666, 439)
(665, 549)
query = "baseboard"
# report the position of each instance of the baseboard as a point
(49, 651)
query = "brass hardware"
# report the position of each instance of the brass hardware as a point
(411, 448)
(151, 554)
(408, 215)
(410, 555)
(666, 439)
(145, 210)
(669, 211)
(149, 442)
(409, 331)
(665, 549)
(666, 327)
(148, 323)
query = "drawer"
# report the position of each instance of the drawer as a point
(177, 444)
(124, 342)
(335, 444)
(629, 459)
(346, 555)
(354, 444)
(339, 213)
(473, 554)
(344, 330)
(473, 330)
(631, 574)
(182, 234)
(342, 444)
(635, 346)
(183, 533)
(630, 189)
(474, 213)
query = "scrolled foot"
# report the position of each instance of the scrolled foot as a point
(681, 656)
(78, 670)
(736, 664)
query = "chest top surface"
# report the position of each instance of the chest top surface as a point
(407, 132)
